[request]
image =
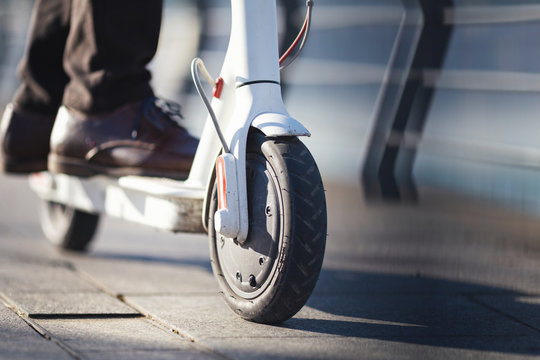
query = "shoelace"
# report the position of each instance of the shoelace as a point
(171, 113)
(169, 108)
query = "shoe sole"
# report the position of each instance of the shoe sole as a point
(81, 168)
(16, 166)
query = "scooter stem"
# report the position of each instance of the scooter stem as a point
(253, 44)
(251, 96)
(251, 71)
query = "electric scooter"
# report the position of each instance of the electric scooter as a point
(253, 186)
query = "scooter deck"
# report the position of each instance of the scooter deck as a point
(162, 203)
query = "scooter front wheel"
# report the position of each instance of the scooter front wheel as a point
(270, 277)
(67, 227)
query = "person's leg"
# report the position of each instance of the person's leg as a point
(107, 50)
(111, 123)
(41, 70)
(27, 122)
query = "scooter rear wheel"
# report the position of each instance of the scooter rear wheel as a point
(269, 278)
(67, 227)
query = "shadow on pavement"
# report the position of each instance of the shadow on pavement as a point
(410, 309)
(424, 311)
(205, 264)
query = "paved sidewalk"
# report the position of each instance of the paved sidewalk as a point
(446, 279)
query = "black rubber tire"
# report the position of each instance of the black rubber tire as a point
(290, 246)
(66, 227)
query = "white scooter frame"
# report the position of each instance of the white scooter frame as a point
(247, 94)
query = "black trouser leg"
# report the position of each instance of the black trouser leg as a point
(41, 70)
(109, 45)
(90, 55)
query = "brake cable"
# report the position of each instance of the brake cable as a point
(198, 65)
(300, 39)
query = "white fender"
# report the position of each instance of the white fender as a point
(272, 124)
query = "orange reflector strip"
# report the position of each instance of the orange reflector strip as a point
(222, 183)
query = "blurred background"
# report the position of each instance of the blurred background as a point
(479, 132)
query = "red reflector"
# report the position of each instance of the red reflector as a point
(219, 88)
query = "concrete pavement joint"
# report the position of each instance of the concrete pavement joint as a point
(499, 311)
(199, 346)
(156, 320)
(37, 328)
(195, 344)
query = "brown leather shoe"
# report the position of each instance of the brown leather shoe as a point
(140, 138)
(24, 141)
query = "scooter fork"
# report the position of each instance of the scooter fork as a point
(250, 97)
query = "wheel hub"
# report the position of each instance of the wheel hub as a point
(249, 267)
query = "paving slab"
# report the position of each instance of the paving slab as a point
(19, 341)
(144, 276)
(198, 316)
(390, 315)
(116, 335)
(25, 348)
(346, 348)
(62, 304)
(12, 326)
(439, 321)
(48, 277)
(418, 315)
(21, 249)
(335, 281)
(525, 309)
(166, 354)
